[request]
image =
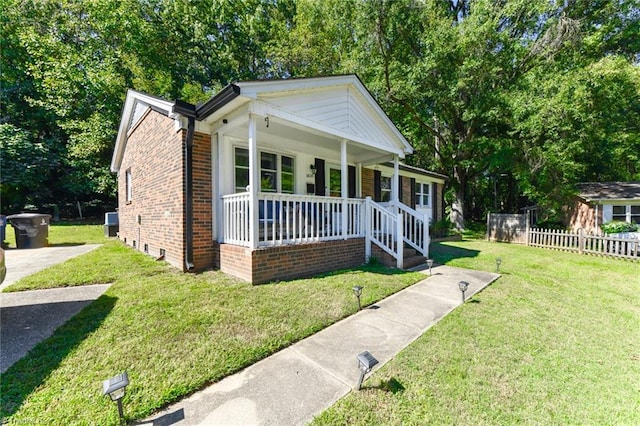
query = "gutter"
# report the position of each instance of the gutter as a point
(188, 194)
(188, 110)
(225, 96)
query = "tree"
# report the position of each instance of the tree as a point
(580, 125)
(25, 167)
(445, 70)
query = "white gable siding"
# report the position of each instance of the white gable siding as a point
(138, 112)
(340, 108)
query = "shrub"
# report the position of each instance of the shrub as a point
(550, 224)
(617, 227)
(441, 228)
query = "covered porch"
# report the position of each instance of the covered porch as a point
(291, 160)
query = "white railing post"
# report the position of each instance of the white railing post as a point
(367, 228)
(399, 241)
(426, 240)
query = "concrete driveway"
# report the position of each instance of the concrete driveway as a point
(24, 262)
(28, 317)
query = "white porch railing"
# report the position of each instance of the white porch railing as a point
(291, 219)
(388, 220)
(294, 219)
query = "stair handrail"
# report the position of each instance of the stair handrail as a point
(382, 227)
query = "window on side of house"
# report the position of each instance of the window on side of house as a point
(277, 172)
(422, 194)
(385, 188)
(128, 188)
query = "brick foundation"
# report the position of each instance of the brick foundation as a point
(288, 262)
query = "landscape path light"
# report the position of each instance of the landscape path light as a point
(463, 285)
(366, 362)
(115, 388)
(498, 262)
(357, 290)
(429, 264)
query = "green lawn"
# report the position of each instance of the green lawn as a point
(173, 333)
(556, 340)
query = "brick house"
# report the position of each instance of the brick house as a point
(602, 202)
(272, 180)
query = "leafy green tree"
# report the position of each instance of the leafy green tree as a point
(25, 167)
(581, 125)
(445, 71)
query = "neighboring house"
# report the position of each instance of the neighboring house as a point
(271, 180)
(602, 202)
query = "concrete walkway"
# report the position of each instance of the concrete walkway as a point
(28, 317)
(299, 382)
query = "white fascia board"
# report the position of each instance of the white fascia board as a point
(265, 109)
(133, 97)
(254, 89)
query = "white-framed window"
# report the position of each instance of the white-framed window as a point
(422, 194)
(626, 213)
(385, 188)
(635, 214)
(241, 164)
(277, 172)
(127, 184)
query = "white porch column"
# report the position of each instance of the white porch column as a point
(358, 180)
(254, 182)
(395, 180)
(344, 186)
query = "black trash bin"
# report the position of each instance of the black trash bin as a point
(3, 226)
(32, 229)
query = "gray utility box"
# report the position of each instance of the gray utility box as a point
(111, 226)
(32, 229)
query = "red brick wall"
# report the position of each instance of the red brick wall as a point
(583, 216)
(203, 251)
(154, 156)
(383, 257)
(367, 183)
(289, 262)
(406, 192)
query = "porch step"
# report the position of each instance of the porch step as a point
(408, 252)
(412, 261)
